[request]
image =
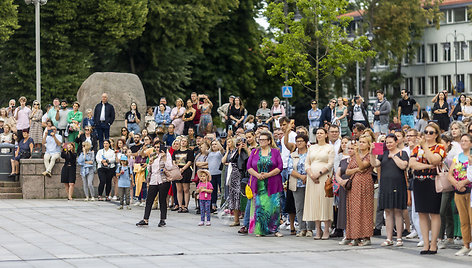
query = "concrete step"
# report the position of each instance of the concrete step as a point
(10, 184)
(11, 196)
(10, 190)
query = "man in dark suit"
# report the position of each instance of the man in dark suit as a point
(327, 114)
(103, 117)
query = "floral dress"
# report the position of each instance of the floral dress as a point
(265, 208)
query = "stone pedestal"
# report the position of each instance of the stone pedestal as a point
(36, 186)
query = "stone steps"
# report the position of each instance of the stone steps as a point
(10, 190)
(11, 196)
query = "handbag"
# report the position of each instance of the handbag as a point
(329, 187)
(248, 190)
(173, 173)
(441, 182)
(348, 185)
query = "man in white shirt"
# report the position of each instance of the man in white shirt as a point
(334, 139)
(103, 117)
(52, 142)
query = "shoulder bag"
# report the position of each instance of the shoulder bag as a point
(442, 182)
(329, 187)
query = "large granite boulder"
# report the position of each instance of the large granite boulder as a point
(122, 89)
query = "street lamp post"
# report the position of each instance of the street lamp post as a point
(462, 44)
(37, 4)
(219, 84)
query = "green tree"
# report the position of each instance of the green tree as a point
(174, 36)
(398, 29)
(314, 46)
(8, 19)
(234, 56)
(73, 35)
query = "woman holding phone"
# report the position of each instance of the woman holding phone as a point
(392, 187)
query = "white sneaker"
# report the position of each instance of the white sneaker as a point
(463, 251)
(92, 199)
(120, 207)
(420, 244)
(128, 207)
(412, 235)
(458, 241)
(445, 243)
(137, 203)
(86, 199)
(470, 253)
(142, 204)
(114, 198)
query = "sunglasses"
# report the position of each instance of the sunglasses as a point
(263, 139)
(314, 103)
(429, 132)
(35, 104)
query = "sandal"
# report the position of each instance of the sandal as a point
(354, 243)
(278, 234)
(235, 224)
(387, 243)
(180, 210)
(174, 208)
(365, 242)
(185, 210)
(293, 232)
(399, 243)
(318, 235)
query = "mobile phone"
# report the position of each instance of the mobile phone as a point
(243, 140)
(378, 148)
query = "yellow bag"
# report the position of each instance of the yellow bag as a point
(248, 189)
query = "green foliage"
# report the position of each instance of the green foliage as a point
(72, 34)
(314, 47)
(234, 55)
(8, 19)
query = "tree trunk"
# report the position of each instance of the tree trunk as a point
(131, 62)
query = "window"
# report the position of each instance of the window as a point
(459, 15)
(459, 50)
(434, 85)
(447, 83)
(446, 52)
(449, 16)
(420, 54)
(433, 52)
(460, 83)
(409, 84)
(470, 83)
(470, 50)
(421, 86)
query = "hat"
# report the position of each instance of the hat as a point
(232, 96)
(200, 171)
(124, 158)
(2, 120)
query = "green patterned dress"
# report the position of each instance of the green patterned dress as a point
(265, 209)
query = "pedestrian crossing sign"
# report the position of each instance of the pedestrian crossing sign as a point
(287, 92)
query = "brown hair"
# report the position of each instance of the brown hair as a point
(437, 129)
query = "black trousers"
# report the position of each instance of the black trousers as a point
(105, 176)
(162, 189)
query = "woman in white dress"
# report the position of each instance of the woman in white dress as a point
(319, 167)
(176, 116)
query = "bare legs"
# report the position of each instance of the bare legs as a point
(430, 222)
(319, 232)
(15, 167)
(69, 190)
(394, 216)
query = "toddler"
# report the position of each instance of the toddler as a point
(204, 188)
(125, 176)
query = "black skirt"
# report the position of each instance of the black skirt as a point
(289, 203)
(68, 174)
(426, 198)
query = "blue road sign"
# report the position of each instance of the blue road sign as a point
(287, 92)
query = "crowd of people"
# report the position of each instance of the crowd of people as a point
(341, 176)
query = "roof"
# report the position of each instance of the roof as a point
(444, 3)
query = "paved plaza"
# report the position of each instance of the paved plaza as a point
(59, 233)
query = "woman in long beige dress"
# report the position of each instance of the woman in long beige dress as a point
(319, 165)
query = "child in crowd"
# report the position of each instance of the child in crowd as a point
(204, 188)
(130, 156)
(149, 121)
(249, 123)
(125, 178)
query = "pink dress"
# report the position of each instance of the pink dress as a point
(176, 116)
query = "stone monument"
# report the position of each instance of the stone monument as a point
(122, 89)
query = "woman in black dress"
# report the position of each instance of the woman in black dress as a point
(392, 190)
(68, 173)
(188, 117)
(342, 178)
(183, 158)
(236, 114)
(441, 112)
(423, 161)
